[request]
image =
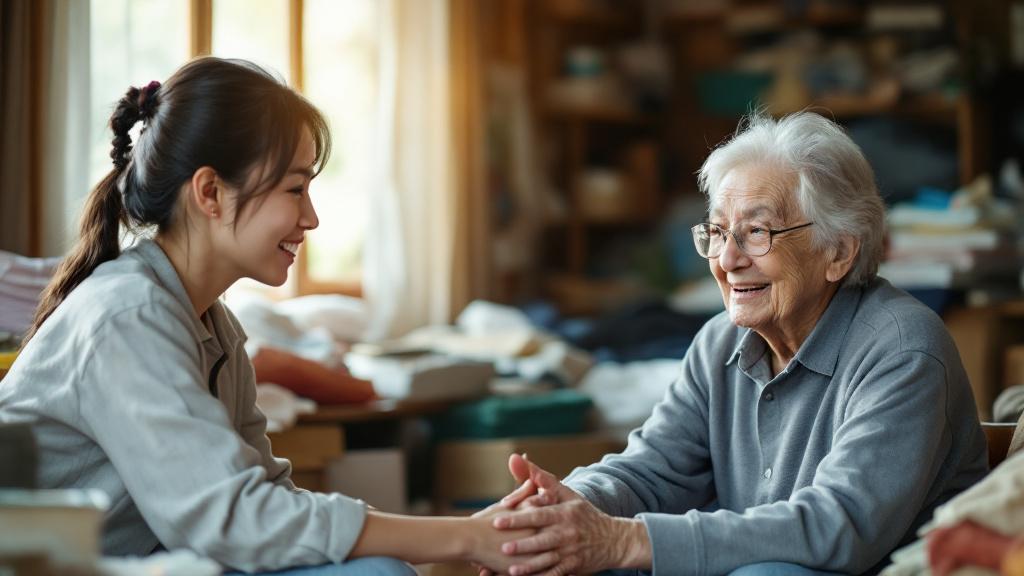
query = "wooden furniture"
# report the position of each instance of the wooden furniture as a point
(601, 148)
(998, 435)
(983, 335)
(326, 434)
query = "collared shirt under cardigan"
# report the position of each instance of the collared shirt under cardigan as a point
(131, 392)
(831, 464)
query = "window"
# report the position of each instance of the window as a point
(126, 49)
(329, 51)
(340, 49)
(256, 31)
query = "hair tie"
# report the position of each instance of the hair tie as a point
(147, 100)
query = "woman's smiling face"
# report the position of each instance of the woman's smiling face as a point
(784, 291)
(271, 228)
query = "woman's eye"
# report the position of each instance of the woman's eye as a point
(297, 190)
(757, 230)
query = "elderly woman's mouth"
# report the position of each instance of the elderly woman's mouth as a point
(750, 288)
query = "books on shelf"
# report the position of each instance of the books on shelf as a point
(918, 274)
(61, 525)
(968, 239)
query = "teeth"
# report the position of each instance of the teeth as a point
(291, 247)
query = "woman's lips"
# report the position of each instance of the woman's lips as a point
(748, 290)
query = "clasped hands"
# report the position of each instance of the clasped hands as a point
(566, 534)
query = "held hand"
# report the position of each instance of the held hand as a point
(487, 542)
(966, 544)
(537, 487)
(574, 537)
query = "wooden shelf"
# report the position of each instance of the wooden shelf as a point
(770, 19)
(580, 295)
(590, 17)
(938, 108)
(601, 113)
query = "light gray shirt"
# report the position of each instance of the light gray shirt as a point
(830, 464)
(131, 392)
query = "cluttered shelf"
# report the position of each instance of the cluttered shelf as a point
(778, 17)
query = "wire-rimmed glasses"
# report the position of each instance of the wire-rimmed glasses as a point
(752, 239)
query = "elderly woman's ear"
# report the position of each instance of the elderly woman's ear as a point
(842, 258)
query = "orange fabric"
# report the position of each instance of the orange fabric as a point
(310, 379)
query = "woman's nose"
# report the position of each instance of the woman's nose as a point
(732, 257)
(308, 218)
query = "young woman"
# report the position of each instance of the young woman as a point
(134, 375)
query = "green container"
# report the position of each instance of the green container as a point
(553, 413)
(731, 92)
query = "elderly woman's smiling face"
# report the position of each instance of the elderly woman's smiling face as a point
(780, 294)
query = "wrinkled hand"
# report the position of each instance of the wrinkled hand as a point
(537, 487)
(966, 544)
(573, 537)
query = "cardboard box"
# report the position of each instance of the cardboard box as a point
(374, 476)
(473, 474)
(309, 447)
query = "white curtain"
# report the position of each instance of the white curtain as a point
(66, 125)
(408, 256)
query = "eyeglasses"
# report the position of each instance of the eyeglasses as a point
(752, 239)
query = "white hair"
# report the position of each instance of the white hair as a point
(835, 184)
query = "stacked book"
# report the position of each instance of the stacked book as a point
(951, 247)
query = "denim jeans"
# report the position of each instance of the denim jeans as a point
(777, 569)
(373, 566)
(761, 569)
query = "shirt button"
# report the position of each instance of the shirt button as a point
(769, 397)
(767, 473)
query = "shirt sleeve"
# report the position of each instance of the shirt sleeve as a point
(254, 423)
(666, 466)
(864, 497)
(195, 481)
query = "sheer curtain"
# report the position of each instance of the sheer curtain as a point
(407, 276)
(44, 107)
(65, 176)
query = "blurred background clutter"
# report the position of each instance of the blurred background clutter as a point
(504, 260)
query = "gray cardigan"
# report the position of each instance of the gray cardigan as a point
(830, 464)
(130, 392)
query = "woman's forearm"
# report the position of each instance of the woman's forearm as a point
(414, 539)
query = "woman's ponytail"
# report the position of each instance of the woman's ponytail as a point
(100, 226)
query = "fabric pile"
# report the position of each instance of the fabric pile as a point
(22, 281)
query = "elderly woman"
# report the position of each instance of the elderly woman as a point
(815, 424)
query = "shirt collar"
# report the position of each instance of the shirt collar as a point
(168, 277)
(820, 352)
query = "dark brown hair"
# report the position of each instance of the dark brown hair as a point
(230, 115)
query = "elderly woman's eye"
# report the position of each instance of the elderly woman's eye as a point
(757, 231)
